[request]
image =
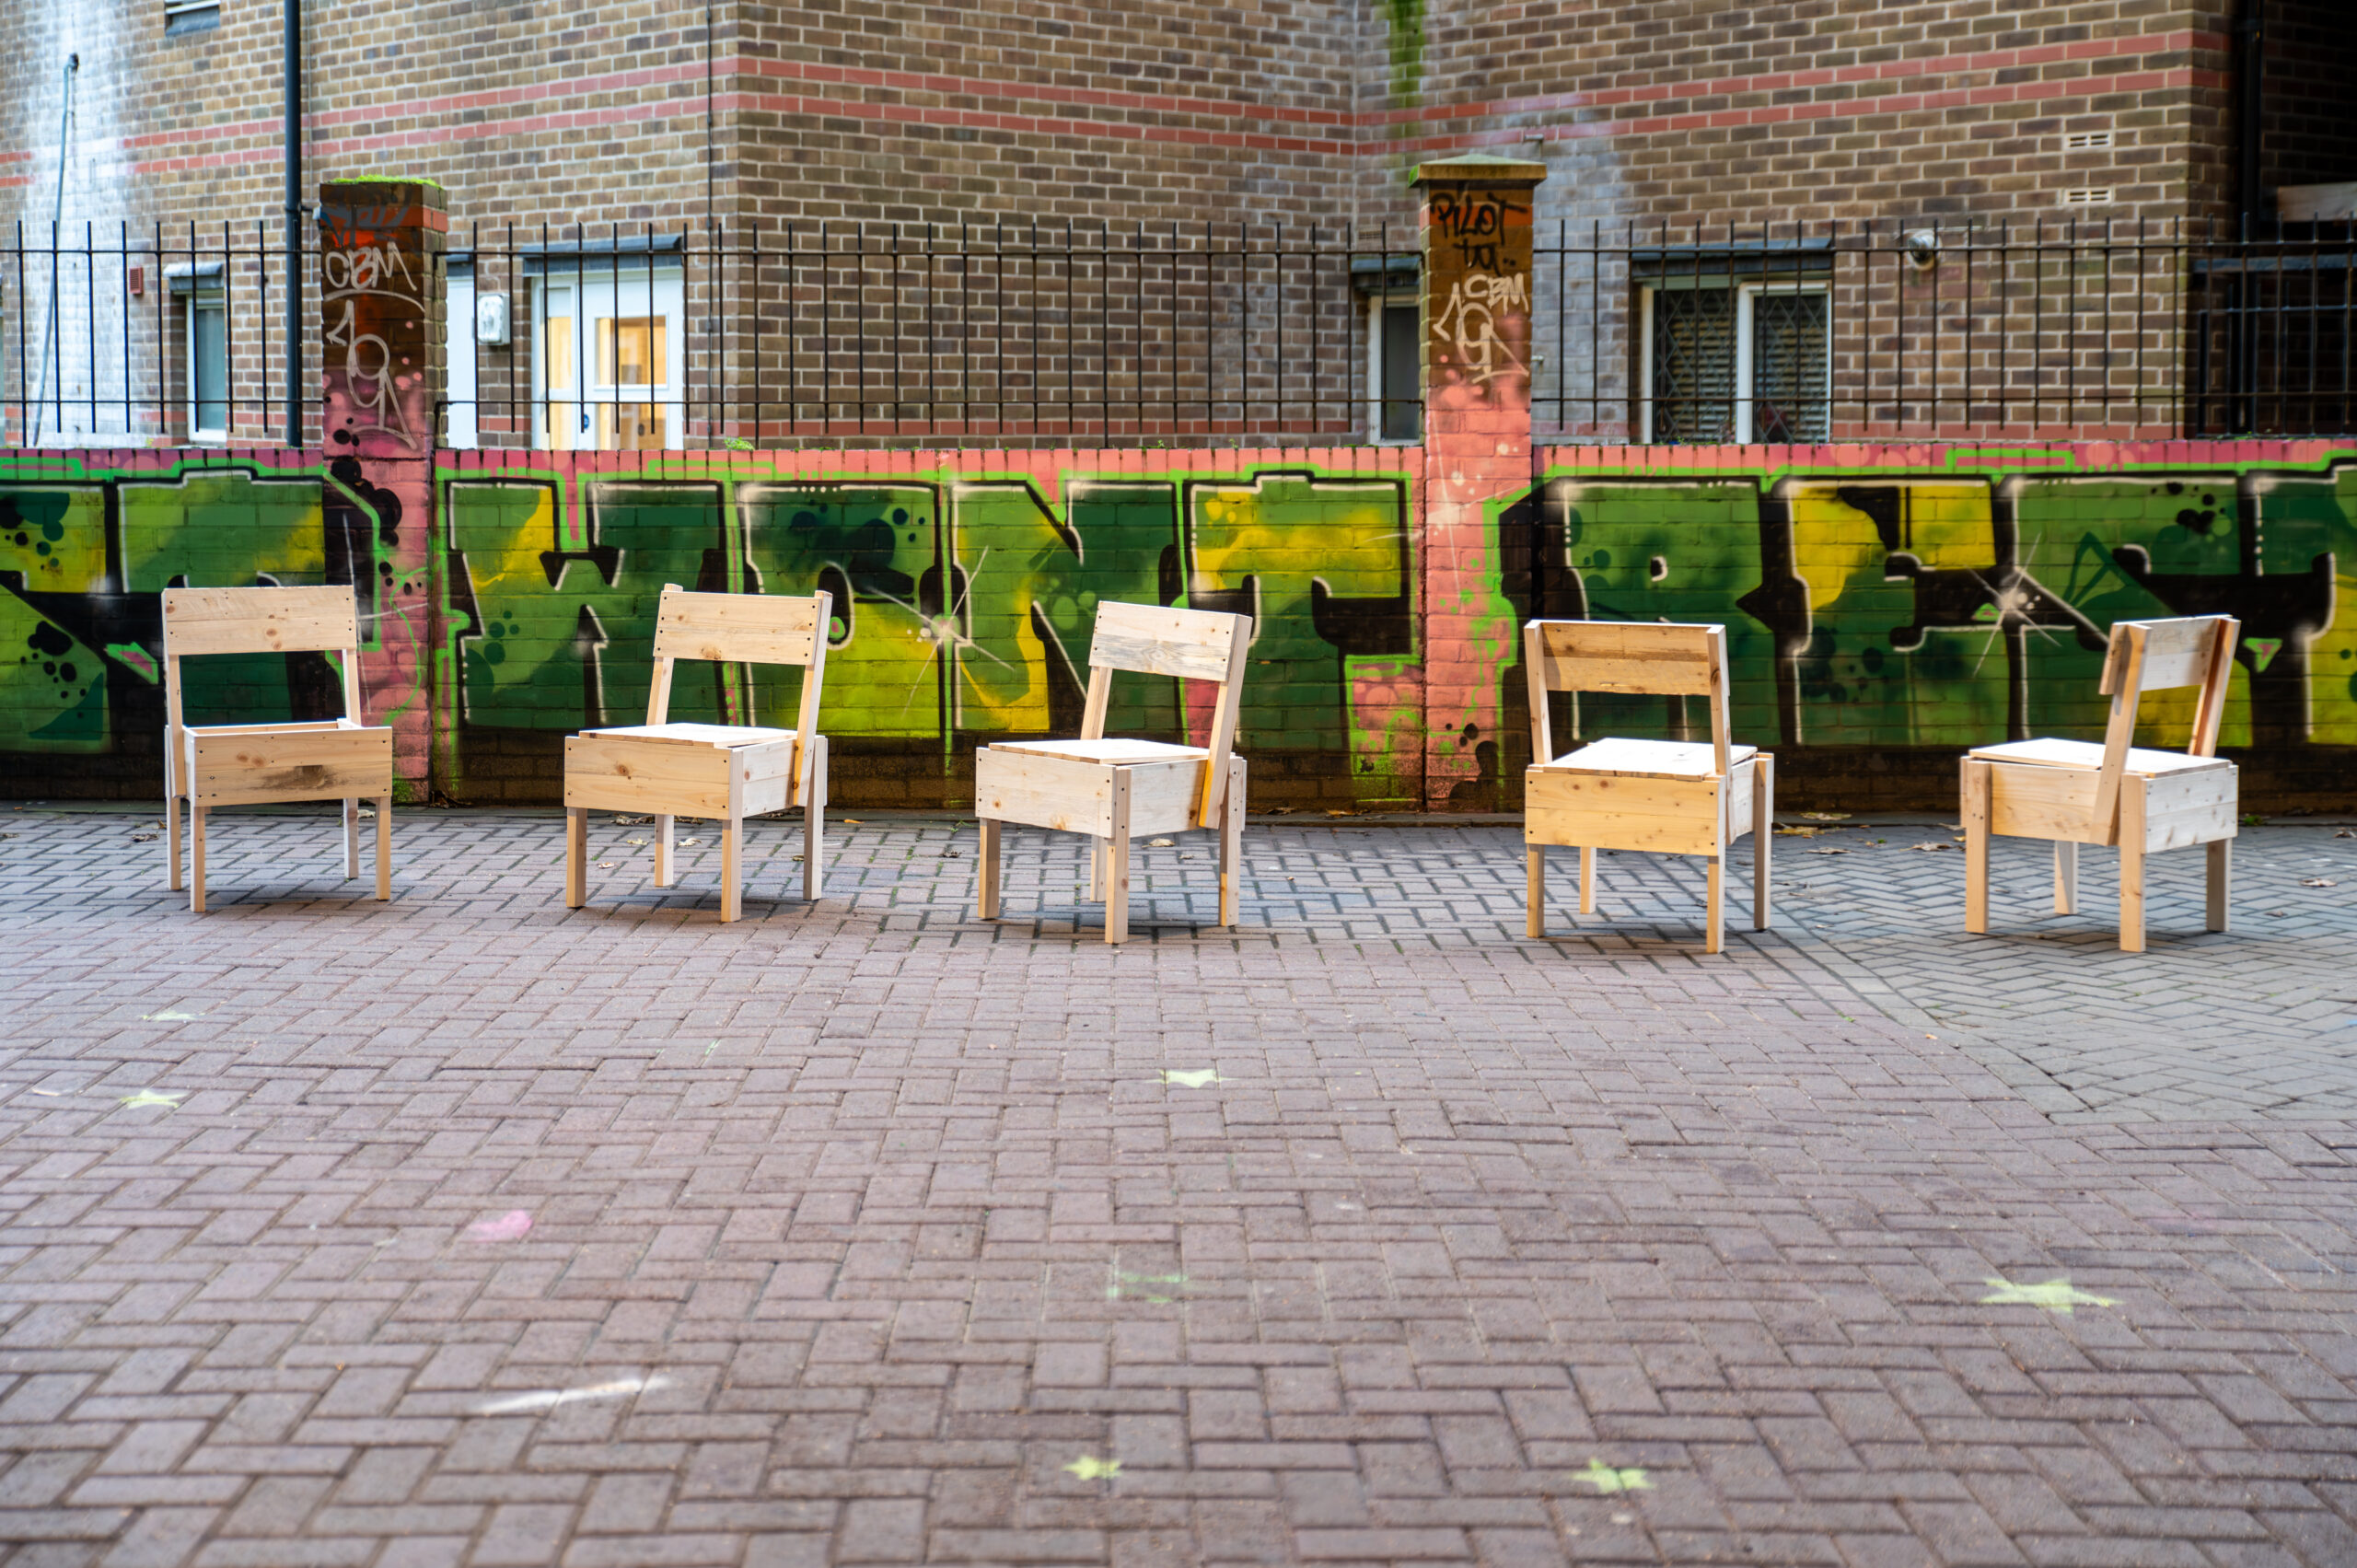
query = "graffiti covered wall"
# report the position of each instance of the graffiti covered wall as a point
(1885, 607)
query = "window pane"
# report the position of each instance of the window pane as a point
(1693, 368)
(556, 355)
(209, 367)
(1788, 373)
(1403, 403)
(630, 351)
(630, 427)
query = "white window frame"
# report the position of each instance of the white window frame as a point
(199, 301)
(461, 424)
(1377, 300)
(588, 290)
(1743, 372)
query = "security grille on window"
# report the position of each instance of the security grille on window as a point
(197, 289)
(607, 349)
(1731, 350)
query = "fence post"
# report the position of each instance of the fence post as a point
(1476, 297)
(382, 309)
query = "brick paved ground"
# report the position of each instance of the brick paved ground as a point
(864, 1233)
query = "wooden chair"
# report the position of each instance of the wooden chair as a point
(1114, 790)
(1673, 796)
(239, 764)
(2075, 792)
(722, 771)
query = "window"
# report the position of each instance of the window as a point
(1395, 368)
(1725, 360)
(191, 16)
(1395, 350)
(606, 354)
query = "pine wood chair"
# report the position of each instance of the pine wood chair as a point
(2075, 792)
(725, 772)
(1671, 796)
(241, 764)
(1114, 790)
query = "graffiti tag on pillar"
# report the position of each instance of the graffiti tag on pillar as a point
(1468, 324)
(1473, 224)
(373, 296)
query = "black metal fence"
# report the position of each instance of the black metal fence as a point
(821, 334)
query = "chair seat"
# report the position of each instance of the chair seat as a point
(2089, 756)
(1113, 753)
(1647, 759)
(726, 735)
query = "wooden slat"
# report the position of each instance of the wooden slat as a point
(1647, 759)
(259, 620)
(250, 767)
(738, 628)
(633, 774)
(1193, 645)
(1044, 792)
(2045, 803)
(1121, 751)
(1163, 795)
(708, 735)
(1671, 815)
(2191, 807)
(2176, 652)
(1625, 656)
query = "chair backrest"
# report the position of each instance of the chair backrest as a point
(1192, 644)
(744, 629)
(2160, 655)
(259, 620)
(1636, 657)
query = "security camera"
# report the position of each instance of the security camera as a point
(1922, 247)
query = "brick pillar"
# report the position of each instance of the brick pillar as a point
(1477, 460)
(381, 293)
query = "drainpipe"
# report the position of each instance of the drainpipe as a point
(292, 72)
(2250, 39)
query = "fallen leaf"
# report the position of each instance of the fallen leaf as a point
(856, 821)
(630, 821)
(513, 1225)
(1088, 1467)
(1160, 844)
(689, 844)
(2344, 833)
(1606, 1479)
(2319, 882)
(143, 838)
(151, 1097)
(1928, 847)
(1785, 831)
(635, 843)
(1827, 815)
(1332, 811)
(2055, 1295)
(1829, 851)
(366, 812)
(606, 866)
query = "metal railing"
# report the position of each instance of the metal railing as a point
(1032, 334)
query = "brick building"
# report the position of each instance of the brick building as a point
(656, 127)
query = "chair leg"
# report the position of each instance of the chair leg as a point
(1714, 925)
(172, 832)
(732, 870)
(196, 815)
(351, 839)
(1117, 880)
(1974, 792)
(384, 847)
(577, 856)
(2066, 876)
(814, 828)
(2222, 881)
(1587, 879)
(1117, 889)
(1534, 893)
(1764, 831)
(666, 868)
(986, 874)
(1096, 871)
(2131, 864)
(1231, 842)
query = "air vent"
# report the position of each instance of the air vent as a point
(2093, 196)
(2087, 141)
